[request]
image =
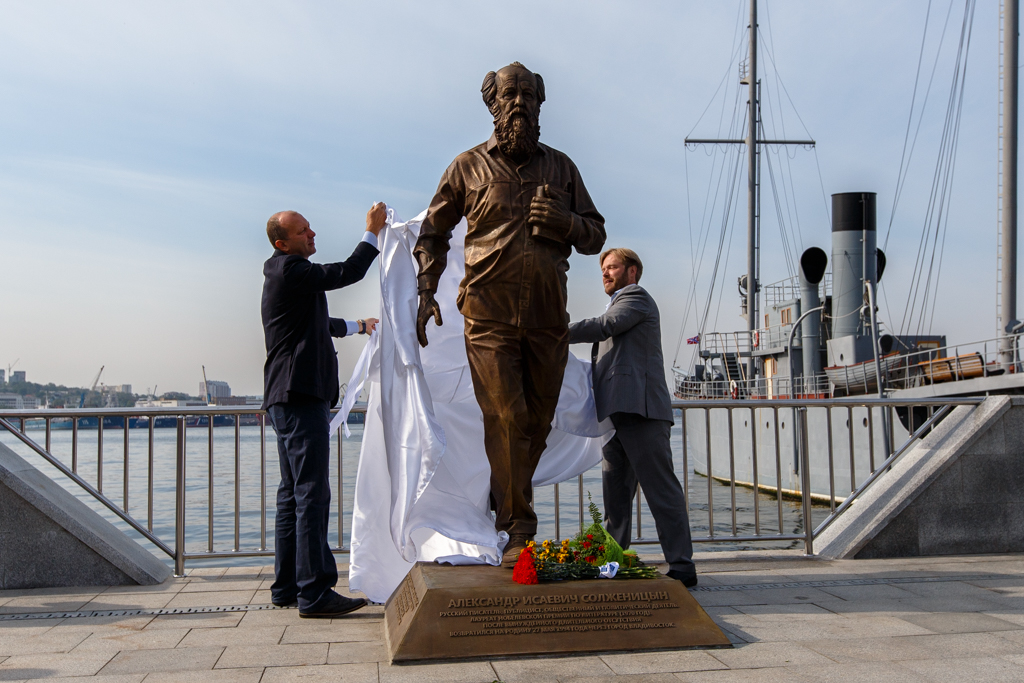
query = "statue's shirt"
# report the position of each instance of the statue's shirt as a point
(512, 276)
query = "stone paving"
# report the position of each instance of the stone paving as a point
(790, 618)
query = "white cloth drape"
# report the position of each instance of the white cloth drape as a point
(423, 481)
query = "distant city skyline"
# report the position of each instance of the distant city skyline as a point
(146, 145)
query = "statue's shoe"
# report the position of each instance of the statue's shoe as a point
(516, 544)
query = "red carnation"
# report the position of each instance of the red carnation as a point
(586, 544)
(590, 537)
(524, 571)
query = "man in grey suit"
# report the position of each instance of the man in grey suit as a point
(630, 387)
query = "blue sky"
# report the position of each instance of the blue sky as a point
(142, 148)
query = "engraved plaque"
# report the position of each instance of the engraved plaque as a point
(445, 612)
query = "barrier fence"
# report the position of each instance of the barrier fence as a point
(769, 464)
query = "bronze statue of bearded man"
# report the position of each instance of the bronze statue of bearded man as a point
(526, 208)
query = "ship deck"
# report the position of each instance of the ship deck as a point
(790, 618)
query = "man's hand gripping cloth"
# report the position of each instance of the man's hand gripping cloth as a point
(423, 482)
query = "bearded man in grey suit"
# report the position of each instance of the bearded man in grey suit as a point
(630, 388)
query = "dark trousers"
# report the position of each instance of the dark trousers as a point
(517, 376)
(641, 453)
(303, 564)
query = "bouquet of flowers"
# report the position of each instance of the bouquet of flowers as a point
(590, 554)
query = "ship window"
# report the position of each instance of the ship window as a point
(787, 316)
(865, 422)
(766, 320)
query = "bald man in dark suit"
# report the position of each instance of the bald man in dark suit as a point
(300, 388)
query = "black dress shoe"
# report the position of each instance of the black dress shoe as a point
(335, 606)
(689, 580)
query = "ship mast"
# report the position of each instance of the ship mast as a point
(753, 188)
(752, 283)
(1008, 227)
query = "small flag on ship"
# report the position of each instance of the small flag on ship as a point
(693, 340)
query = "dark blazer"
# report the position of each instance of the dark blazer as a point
(301, 360)
(629, 369)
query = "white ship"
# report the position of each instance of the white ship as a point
(817, 335)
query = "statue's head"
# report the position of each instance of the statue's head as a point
(514, 95)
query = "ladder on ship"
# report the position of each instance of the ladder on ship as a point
(734, 370)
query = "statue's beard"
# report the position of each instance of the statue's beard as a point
(517, 136)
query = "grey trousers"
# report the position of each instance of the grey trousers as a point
(641, 452)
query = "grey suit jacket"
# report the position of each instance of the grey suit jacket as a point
(629, 370)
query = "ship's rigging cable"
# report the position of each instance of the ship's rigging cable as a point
(901, 174)
(771, 122)
(702, 236)
(906, 155)
(928, 263)
(729, 199)
(782, 87)
(792, 211)
(948, 188)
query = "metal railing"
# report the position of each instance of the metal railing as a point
(788, 290)
(953, 362)
(775, 387)
(737, 462)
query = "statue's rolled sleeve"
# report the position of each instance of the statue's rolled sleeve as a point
(432, 246)
(587, 233)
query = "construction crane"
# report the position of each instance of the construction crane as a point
(81, 400)
(11, 367)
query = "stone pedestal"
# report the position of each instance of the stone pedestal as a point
(445, 612)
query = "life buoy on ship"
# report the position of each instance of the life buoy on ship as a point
(757, 339)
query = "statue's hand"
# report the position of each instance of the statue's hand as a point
(550, 216)
(428, 308)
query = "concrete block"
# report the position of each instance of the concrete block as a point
(763, 655)
(461, 672)
(51, 665)
(357, 653)
(208, 637)
(996, 476)
(114, 642)
(990, 669)
(176, 660)
(957, 491)
(50, 538)
(662, 663)
(955, 622)
(340, 632)
(240, 656)
(555, 668)
(213, 676)
(993, 439)
(899, 538)
(340, 673)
